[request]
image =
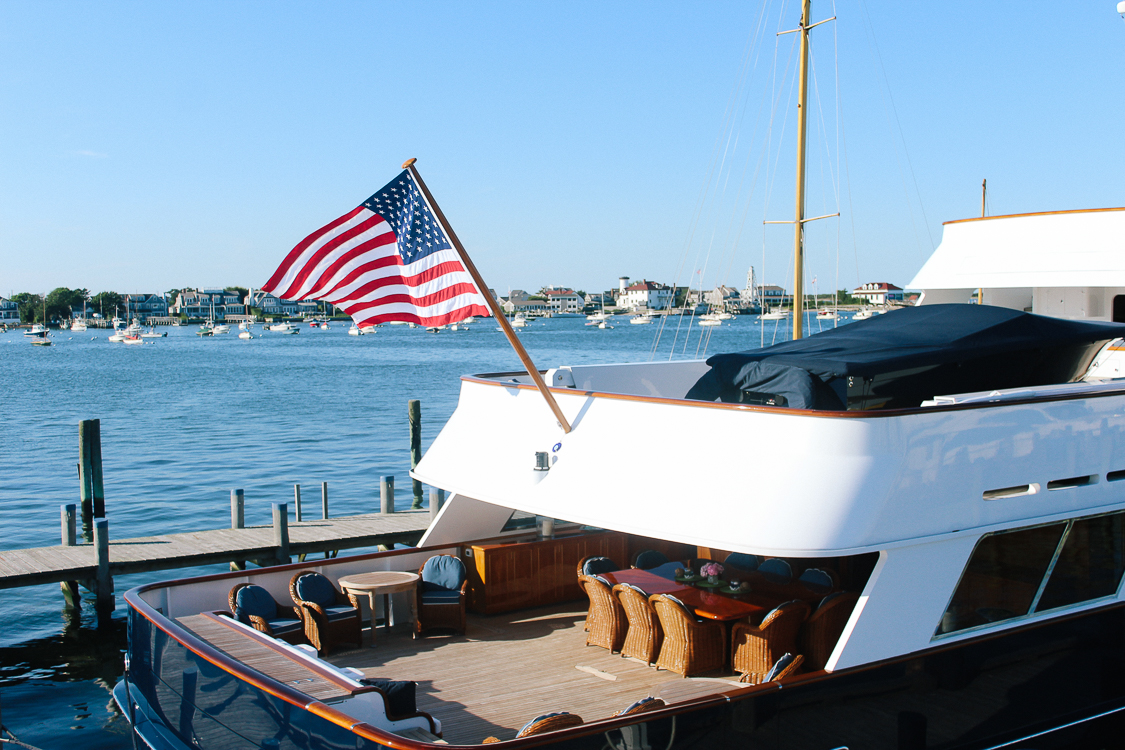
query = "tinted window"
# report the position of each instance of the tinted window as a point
(1090, 564)
(1002, 577)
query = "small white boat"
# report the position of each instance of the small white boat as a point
(36, 330)
(825, 314)
(119, 336)
(604, 324)
(245, 325)
(132, 339)
(519, 322)
(709, 321)
(220, 328)
(774, 314)
(641, 320)
(78, 326)
(864, 314)
(284, 328)
(152, 333)
(324, 325)
(245, 335)
(469, 320)
(355, 330)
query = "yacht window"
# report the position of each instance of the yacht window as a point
(1013, 573)
(1090, 564)
(1002, 577)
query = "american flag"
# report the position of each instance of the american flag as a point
(388, 259)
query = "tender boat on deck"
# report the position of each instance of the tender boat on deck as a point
(957, 471)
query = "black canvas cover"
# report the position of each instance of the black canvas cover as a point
(905, 356)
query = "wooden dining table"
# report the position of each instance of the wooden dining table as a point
(708, 604)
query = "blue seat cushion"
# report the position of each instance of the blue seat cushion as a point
(779, 666)
(667, 570)
(399, 695)
(339, 612)
(443, 572)
(816, 577)
(599, 565)
(282, 626)
(777, 570)
(253, 600)
(441, 596)
(316, 588)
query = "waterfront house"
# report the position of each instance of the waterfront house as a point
(560, 300)
(725, 298)
(879, 293)
(519, 301)
(145, 306)
(202, 303)
(773, 296)
(9, 312)
(645, 294)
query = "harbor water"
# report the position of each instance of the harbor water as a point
(185, 419)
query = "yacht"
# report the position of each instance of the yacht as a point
(288, 328)
(219, 328)
(38, 329)
(642, 320)
(775, 314)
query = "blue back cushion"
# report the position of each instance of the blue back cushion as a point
(443, 572)
(775, 566)
(742, 560)
(816, 577)
(316, 588)
(650, 558)
(253, 600)
(399, 695)
(597, 565)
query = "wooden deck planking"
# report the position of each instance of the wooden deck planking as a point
(508, 669)
(41, 565)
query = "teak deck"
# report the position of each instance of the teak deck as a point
(509, 668)
(31, 567)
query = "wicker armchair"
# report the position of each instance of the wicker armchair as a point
(545, 723)
(596, 565)
(822, 630)
(329, 616)
(649, 558)
(605, 619)
(643, 639)
(756, 648)
(643, 706)
(254, 606)
(690, 647)
(788, 664)
(441, 595)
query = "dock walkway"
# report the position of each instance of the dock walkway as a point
(40, 565)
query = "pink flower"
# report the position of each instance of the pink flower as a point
(711, 569)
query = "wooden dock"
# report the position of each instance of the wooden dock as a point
(59, 564)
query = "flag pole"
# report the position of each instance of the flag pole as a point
(493, 305)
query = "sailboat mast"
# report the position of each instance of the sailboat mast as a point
(799, 223)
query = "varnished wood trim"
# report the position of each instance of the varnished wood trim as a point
(871, 414)
(1036, 213)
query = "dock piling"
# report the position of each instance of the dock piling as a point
(324, 500)
(103, 583)
(91, 489)
(437, 499)
(69, 516)
(281, 532)
(237, 520)
(297, 501)
(387, 494)
(414, 411)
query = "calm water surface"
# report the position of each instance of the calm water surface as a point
(184, 420)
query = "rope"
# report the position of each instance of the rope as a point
(11, 739)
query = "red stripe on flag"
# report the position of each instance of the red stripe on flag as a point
(394, 259)
(382, 240)
(428, 300)
(325, 250)
(295, 253)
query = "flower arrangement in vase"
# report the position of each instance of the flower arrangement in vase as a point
(712, 570)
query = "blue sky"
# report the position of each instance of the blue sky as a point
(145, 146)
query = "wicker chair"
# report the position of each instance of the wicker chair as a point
(649, 558)
(822, 630)
(254, 606)
(775, 570)
(643, 639)
(545, 723)
(605, 619)
(819, 581)
(756, 648)
(690, 646)
(441, 596)
(643, 706)
(788, 664)
(330, 617)
(596, 565)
